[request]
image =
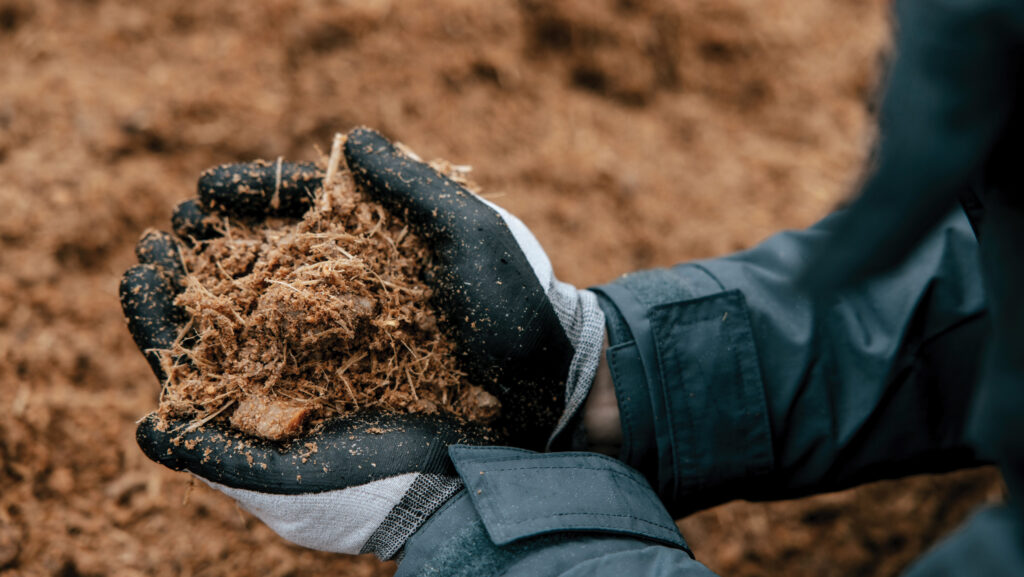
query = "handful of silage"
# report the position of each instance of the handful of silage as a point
(293, 322)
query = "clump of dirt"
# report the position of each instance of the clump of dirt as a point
(292, 322)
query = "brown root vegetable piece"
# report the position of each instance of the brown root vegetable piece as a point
(270, 418)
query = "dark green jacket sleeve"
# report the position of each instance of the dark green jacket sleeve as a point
(733, 384)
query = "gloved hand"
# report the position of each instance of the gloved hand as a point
(531, 340)
(360, 484)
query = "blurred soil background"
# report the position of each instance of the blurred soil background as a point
(626, 133)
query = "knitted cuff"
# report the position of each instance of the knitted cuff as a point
(583, 321)
(425, 496)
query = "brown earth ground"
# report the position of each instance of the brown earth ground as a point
(626, 133)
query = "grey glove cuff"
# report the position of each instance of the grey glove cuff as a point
(583, 321)
(425, 496)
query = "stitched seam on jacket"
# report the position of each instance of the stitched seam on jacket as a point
(542, 517)
(530, 455)
(659, 316)
(629, 475)
(632, 305)
(624, 408)
(704, 269)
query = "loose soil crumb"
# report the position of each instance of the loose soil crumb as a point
(294, 322)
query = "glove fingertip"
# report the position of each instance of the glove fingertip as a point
(362, 137)
(430, 202)
(190, 222)
(364, 148)
(138, 284)
(160, 249)
(154, 442)
(235, 189)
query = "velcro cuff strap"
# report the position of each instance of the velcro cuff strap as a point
(520, 494)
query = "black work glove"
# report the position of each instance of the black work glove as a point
(358, 484)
